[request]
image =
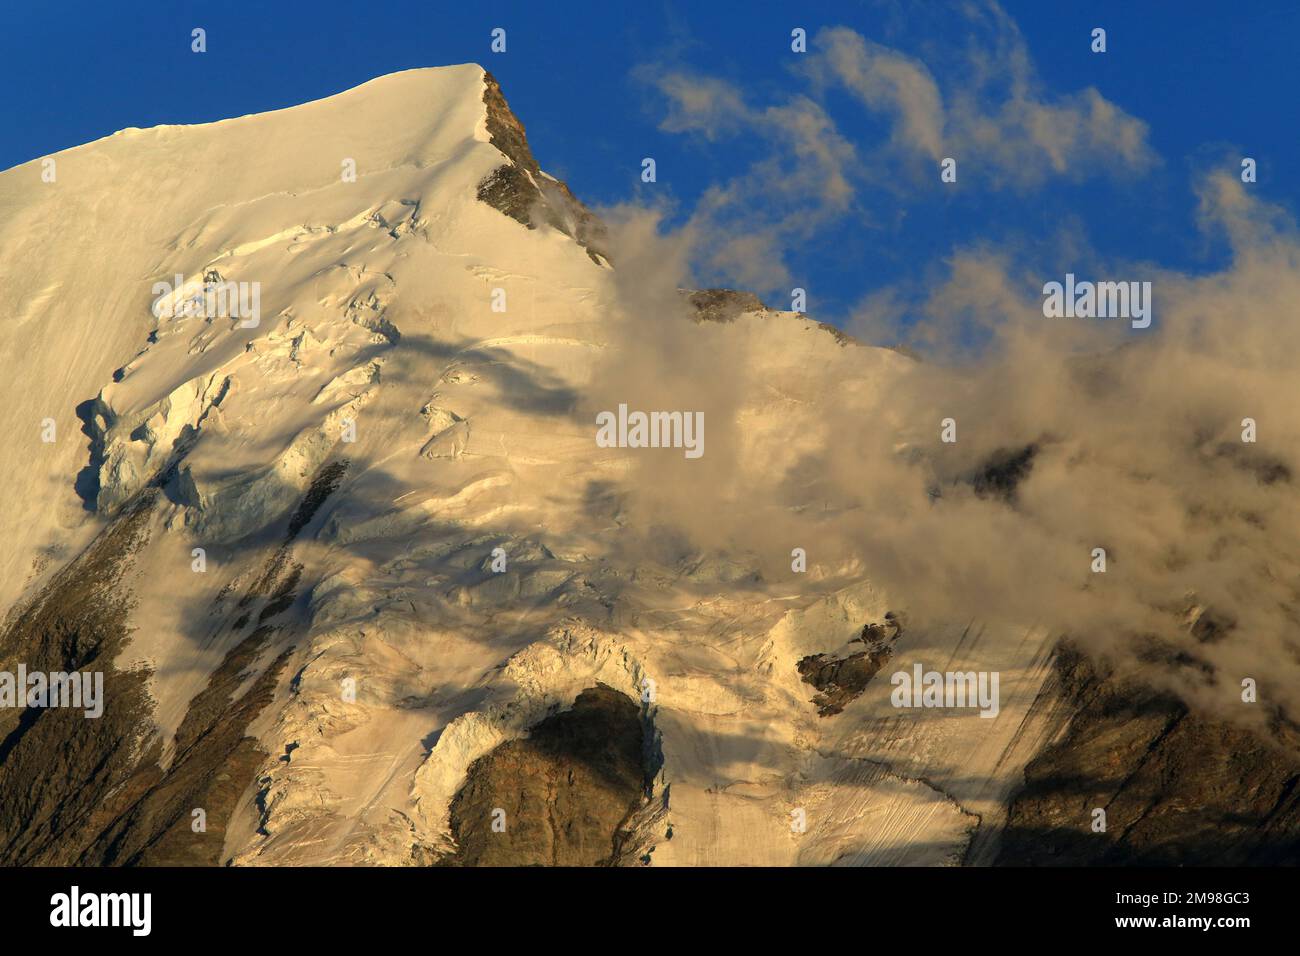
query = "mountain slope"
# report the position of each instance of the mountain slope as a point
(412, 406)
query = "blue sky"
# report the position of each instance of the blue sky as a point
(1211, 81)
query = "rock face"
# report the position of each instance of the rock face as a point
(1001, 475)
(1178, 789)
(561, 796)
(520, 189)
(723, 305)
(64, 778)
(842, 679)
(77, 791)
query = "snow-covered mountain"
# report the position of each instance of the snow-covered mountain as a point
(411, 549)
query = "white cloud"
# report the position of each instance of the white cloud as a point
(997, 118)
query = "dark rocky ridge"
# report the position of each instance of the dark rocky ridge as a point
(520, 189)
(1179, 788)
(93, 792)
(63, 777)
(722, 305)
(841, 680)
(568, 789)
(726, 305)
(1001, 474)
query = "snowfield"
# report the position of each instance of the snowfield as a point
(457, 429)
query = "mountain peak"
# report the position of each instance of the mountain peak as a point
(522, 191)
(320, 372)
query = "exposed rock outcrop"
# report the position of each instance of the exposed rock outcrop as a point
(1178, 788)
(842, 679)
(520, 189)
(98, 791)
(562, 795)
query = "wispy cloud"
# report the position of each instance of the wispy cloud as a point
(995, 116)
(1139, 451)
(803, 178)
(985, 108)
(1138, 439)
